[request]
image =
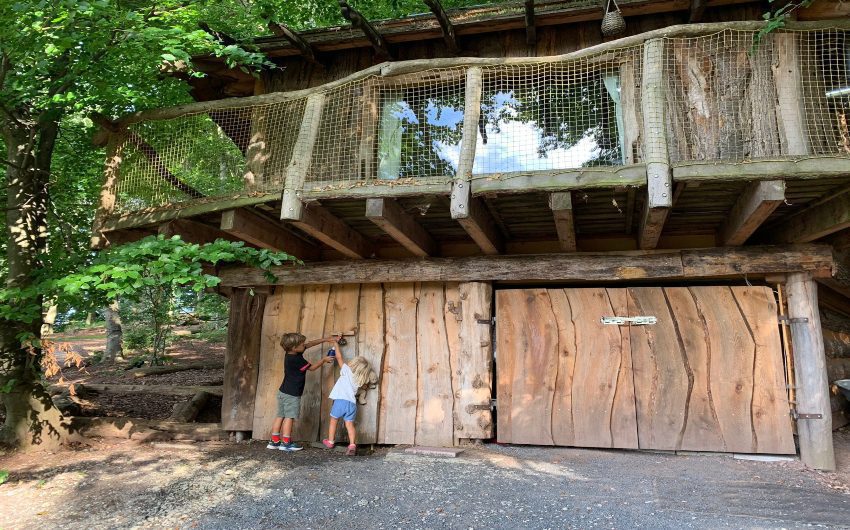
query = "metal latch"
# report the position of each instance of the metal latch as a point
(470, 409)
(633, 321)
(785, 320)
(805, 416)
(489, 321)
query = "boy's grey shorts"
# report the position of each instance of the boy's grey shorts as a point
(288, 406)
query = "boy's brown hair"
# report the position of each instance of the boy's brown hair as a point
(291, 340)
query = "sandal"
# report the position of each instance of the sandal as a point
(351, 451)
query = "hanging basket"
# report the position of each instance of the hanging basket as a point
(613, 23)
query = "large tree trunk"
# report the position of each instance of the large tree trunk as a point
(114, 334)
(31, 417)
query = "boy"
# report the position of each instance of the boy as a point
(295, 368)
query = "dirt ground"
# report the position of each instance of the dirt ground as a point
(227, 485)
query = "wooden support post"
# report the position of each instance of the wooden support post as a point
(291, 205)
(328, 229)
(296, 40)
(262, 232)
(815, 222)
(530, 28)
(561, 204)
(399, 225)
(257, 151)
(815, 434)
(658, 176)
(114, 157)
(358, 21)
(751, 209)
(469, 212)
(789, 94)
(242, 360)
(445, 25)
(697, 10)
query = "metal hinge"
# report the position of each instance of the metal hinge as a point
(488, 321)
(804, 416)
(785, 320)
(470, 409)
(633, 321)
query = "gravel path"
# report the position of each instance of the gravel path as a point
(218, 485)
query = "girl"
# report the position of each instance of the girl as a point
(354, 375)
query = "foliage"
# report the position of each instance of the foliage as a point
(4, 476)
(775, 19)
(150, 273)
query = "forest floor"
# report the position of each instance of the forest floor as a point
(123, 484)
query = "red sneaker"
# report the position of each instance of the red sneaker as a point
(351, 451)
(327, 443)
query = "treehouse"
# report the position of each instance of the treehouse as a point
(540, 235)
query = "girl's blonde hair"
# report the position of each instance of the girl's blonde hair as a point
(362, 371)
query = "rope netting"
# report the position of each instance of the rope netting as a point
(723, 100)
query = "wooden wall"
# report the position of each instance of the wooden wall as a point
(430, 343)
(241, 360)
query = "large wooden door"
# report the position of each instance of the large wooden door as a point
(708, 376)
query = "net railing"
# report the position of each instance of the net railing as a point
(724, 100)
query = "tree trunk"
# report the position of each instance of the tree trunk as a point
(31, 417)
(49, 320)
(89, 319)
(114, 334)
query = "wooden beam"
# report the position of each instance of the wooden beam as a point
(561, 204)
(560, 179)
(106, 204)
(193, 231)
(399, 225)
(530, 28)
(296, 40)
(358, 21)
(257, 230)
(697, 10)
(813, 167)
(462, 189)
(577, 267)
(814, 223)
(302, 154)
(789, 95)
(445, 25)
(751, 209)
(812, 388)
(322, 225)
(659, 178)
(481, 227)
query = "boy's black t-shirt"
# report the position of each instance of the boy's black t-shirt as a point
(294, 374)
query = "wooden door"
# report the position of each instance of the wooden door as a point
(708, 376)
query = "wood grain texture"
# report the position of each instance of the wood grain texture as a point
(341, 316)
(312, 326)
(563, 430)
(623, 423)
(434, 412)
(397, 424)
(370, 344)
(282, 315)
(242, 360)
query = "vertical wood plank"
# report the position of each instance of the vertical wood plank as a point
(370, 344)
(242, 360)
(770, 407)
(623, 412)
(598, 362)
(731, 371)
(471, 347)
(562, 409)
(702, 429)
(341, 316)
(789, 94)
(434, 414)
(660, 376)
(282, 315)
(312, 326)
(506, 331)
(397, 424)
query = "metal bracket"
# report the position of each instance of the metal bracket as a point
(488, 321)
(785, 320)
(804, 416)
(632, 321)
(470, 409)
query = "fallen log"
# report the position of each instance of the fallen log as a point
(159, 370)
(187, 411)
(165, 390)
(144, 430)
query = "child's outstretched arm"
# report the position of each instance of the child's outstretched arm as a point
(339, 360)
(318, 364)
(310, 343)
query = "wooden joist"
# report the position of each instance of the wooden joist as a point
(659, 179)
(481, 227)
(725, 262)
(445, 25)
(815, 222)
(752, 208)
(561, 204)
(291, 205)
(399, 225)
(697, 10)
(264, 233)
(193, 231)
(296, 40)
(530, 28)
(358, 21)
(324, 226)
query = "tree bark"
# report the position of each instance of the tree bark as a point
(31, 417)
(114, 334)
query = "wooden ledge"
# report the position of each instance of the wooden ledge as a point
(711, 263)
